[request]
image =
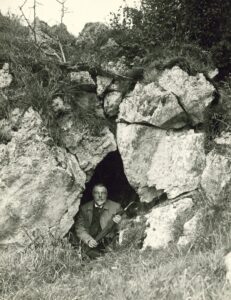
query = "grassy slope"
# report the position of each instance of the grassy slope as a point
(57, 273)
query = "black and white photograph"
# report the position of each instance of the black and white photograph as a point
(115, 149)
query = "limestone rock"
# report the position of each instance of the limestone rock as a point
(195, 92)
(216, 178)
(190, 230)
(89, 148)
(111, 103)
(40, 185)
(228, 267)
(137, 144)
(5, 76)
(160, 223)
(151, 104)
(213, 73)
(177, 163)
(82, 78)
(102, 84)
(156, 161)
(174, 100)
(59, 106)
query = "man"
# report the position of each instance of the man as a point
(94, 216)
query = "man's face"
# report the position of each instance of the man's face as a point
(100, 195)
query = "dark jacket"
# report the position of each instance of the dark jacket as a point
(84, 218)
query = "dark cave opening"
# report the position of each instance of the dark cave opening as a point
(110, 172)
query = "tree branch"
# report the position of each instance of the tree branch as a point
(26, 19)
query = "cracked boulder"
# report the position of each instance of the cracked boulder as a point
(195, 93)
(153, 105)
(160, 223)
(157, 162)
(40, 184)
(216, 178)
(174, 100)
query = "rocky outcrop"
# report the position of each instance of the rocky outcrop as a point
(151, 104)
(136, 145)
(102, 84)
(82, 78)
(89, 148)
(111, 103)
(216, 179)
(160, 221)
(173, 100)
(177, 163)
(5, 76)
(156, 161)
(195, 93)
(40, 185)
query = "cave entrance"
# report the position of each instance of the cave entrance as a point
(110, 172)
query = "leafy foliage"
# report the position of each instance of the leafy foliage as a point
(164, 24)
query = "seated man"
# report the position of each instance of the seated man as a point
(93, 218)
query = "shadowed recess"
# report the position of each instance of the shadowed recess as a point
(110, 172)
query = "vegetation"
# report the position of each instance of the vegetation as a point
(192, 34)
(160, 24)
(56, 271)
(39, 76)
(52, 269)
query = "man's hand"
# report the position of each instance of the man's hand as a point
(92, 243)
(117, 219)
